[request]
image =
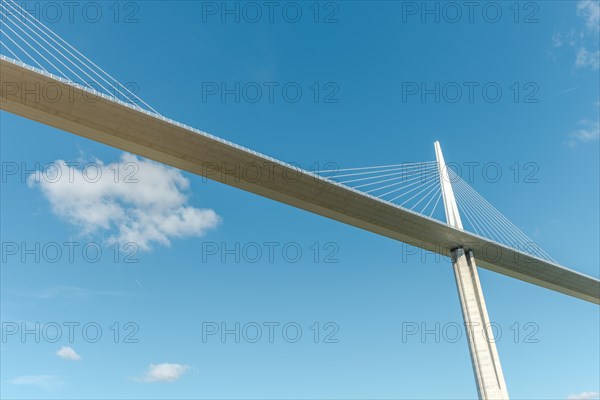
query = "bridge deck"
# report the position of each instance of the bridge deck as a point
(116, 124)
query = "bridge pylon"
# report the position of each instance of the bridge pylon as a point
(482, 346)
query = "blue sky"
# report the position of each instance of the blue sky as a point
(361, 289)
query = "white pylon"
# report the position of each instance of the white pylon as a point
(482, 345)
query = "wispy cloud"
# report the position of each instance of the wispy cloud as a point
(165, 372)
(581, 39)
(589, 132)
(47, 382)
(584, 396)
(147, 209)
(559, 39)
(590, 12)
(68, 353)
(587, 59)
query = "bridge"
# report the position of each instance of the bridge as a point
(397, 201)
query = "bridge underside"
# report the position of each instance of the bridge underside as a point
(132, 130)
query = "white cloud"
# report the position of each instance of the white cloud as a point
(67, 353)
(587, 59)
(584, 396)
(166, 372)
(557, 40)
(47, 382)
(590, 11)
(582, 38)
(569, 38)
(587, 133)
(143, 201)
